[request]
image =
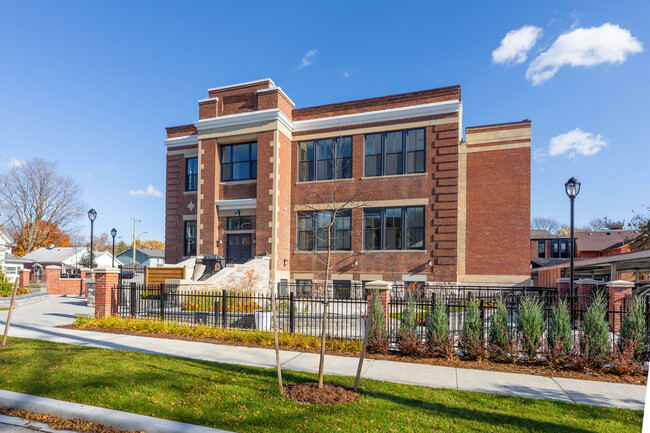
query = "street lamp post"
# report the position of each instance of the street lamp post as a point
(572, 188)
(92, 214)
(113, 233)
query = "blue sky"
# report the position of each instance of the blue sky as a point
(93, 85)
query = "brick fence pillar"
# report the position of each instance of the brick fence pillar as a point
(586, 287)
(105, 291)
(86, 273)
(382, 292)
(618, 291)
(52, 276)
(563, 287)
(24, 277)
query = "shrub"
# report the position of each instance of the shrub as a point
(558, 338)
(531, 325)
(377, 335)
(503, 343)
(439, 341)
(407, 336)
(633, 330)
(472, 342)
(594, 326)
(6, 287)
(623, 361)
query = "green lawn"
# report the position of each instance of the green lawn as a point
(245, 399)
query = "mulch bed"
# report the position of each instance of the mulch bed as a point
(521, 367)
(329, 394)
(62, 424)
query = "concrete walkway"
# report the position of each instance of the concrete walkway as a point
(39, 321)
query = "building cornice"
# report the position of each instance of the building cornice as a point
(379, 116)
(237, 204)
(279, 89)
(264, 80)
(244, 119)
(186, 140)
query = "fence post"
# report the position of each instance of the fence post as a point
(223, 309)
(617, 291)
(382, 290)
(133, 300)
(104, 286)
(292, 313)
(162, 301)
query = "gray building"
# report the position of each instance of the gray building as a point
(143, 257)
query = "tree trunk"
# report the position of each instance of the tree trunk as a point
(321, 363)
(11, 309)
(275, 337)
(365, 340)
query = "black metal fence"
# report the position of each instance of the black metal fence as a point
(300, 309)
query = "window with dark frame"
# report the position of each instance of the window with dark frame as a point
(190, 238)
(312, 230)
(341, 289)
(240, 222)
(317, 159)
(239, 162)
(394, 152)
(394, 228)
(560, 248)
(541, 249)
(191, 173)
(303, 287)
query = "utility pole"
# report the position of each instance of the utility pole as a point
(134, 246)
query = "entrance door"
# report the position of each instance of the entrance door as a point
(238, 249)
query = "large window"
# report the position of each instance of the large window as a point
(341, 289)
(191, 173)
(323, 159)
(541, 249)
(239, 162)
(312, 230)
(395, 228)
(190, 238)
(560, 248)
(395, 152)
(240, 223)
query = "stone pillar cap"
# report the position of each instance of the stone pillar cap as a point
(106, 271)
(587, 281)
(563, 280)
(87, 270)
(378, 285)
(620, 283)
(53, 267)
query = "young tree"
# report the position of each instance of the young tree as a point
(545, 223)
(642, 241)
(85, 259)
(331, 218)
(35, 192)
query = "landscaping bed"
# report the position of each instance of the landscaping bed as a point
(57, 423)
(246, 399)
(349, 348)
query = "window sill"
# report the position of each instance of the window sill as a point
(239, 232)
(323, 252)
(323, 181)
(190, 192)
(238, 182)
(394, 176)
(391, 251)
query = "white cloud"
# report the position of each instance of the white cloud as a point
(516, 44)
(591, 46)
(346, 74)
(14, 162)
(307, 59)
(150, 191)
(576, 142)
(108, 166)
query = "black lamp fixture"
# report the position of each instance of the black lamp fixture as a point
(113, 233)
(92, 214)
(572, 188)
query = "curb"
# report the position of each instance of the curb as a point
(108, 417)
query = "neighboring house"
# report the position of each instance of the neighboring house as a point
(13, 265)
(589, 244)
(143, 257)
(6, 242)
(242, 182)
(66, 257)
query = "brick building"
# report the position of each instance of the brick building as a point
(254, 176)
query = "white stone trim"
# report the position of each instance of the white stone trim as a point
(186, 140)
(208, 99)
(379, 115)
(242, 84)
(244, 119)
(242, 203)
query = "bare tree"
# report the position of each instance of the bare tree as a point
(331, 217)
(37, 200)
(545, 223)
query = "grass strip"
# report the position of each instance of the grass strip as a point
(245, 399)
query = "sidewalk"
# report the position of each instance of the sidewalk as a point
(39, 321)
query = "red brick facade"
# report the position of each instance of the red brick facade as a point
(259, 111)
